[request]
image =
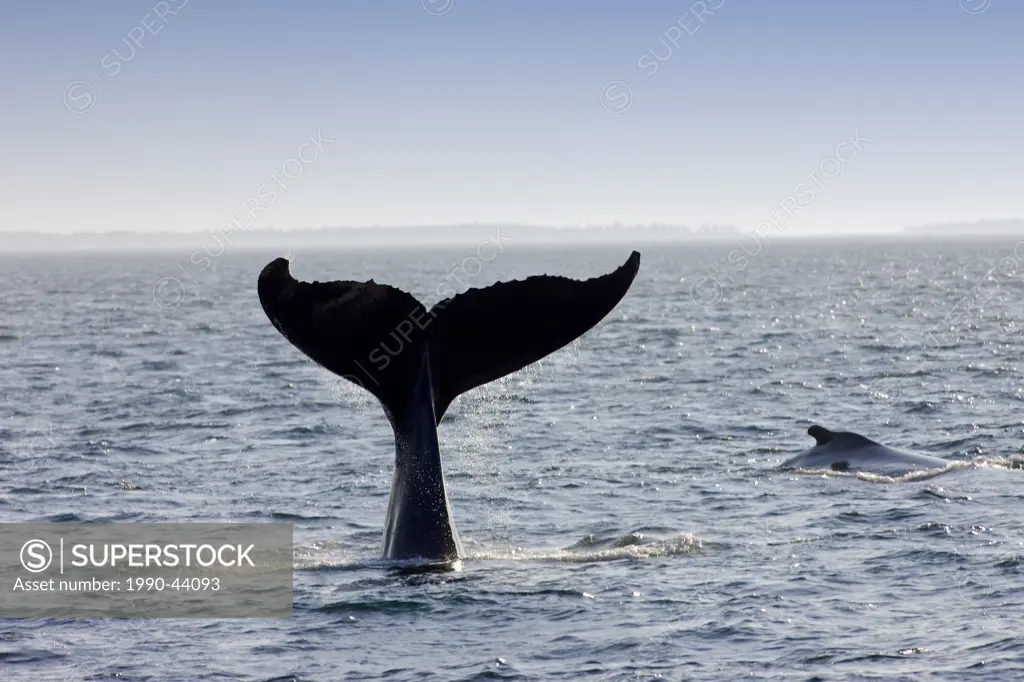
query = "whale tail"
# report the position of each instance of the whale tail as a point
(378, 337)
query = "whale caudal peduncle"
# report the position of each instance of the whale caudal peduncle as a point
(417, 361)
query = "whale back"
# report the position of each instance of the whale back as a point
(848, 451)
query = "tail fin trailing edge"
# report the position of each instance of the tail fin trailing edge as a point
(484, 334)
(343, 325)
(471, 339)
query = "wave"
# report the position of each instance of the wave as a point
(632, 546)
(983, 462)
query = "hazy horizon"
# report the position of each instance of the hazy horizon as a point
(213, 244)
(186, 117)
(693, 230)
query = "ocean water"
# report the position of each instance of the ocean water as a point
(619, 503)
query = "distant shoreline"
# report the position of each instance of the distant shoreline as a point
(994, 228)
(460, 235)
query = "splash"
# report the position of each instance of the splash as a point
(633, 546)
(630, 547)
(329, 555)
(921, 474)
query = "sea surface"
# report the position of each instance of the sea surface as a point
(620, 503)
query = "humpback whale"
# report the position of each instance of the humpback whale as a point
(847, 451)
(417, 361)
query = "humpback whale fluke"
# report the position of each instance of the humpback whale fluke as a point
(848, 451)
(354, 328)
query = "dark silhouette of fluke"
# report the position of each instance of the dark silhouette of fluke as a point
(417, 361)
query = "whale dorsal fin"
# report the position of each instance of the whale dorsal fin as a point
(849, 438)
(820, 434)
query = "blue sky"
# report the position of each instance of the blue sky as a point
(170, 115)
